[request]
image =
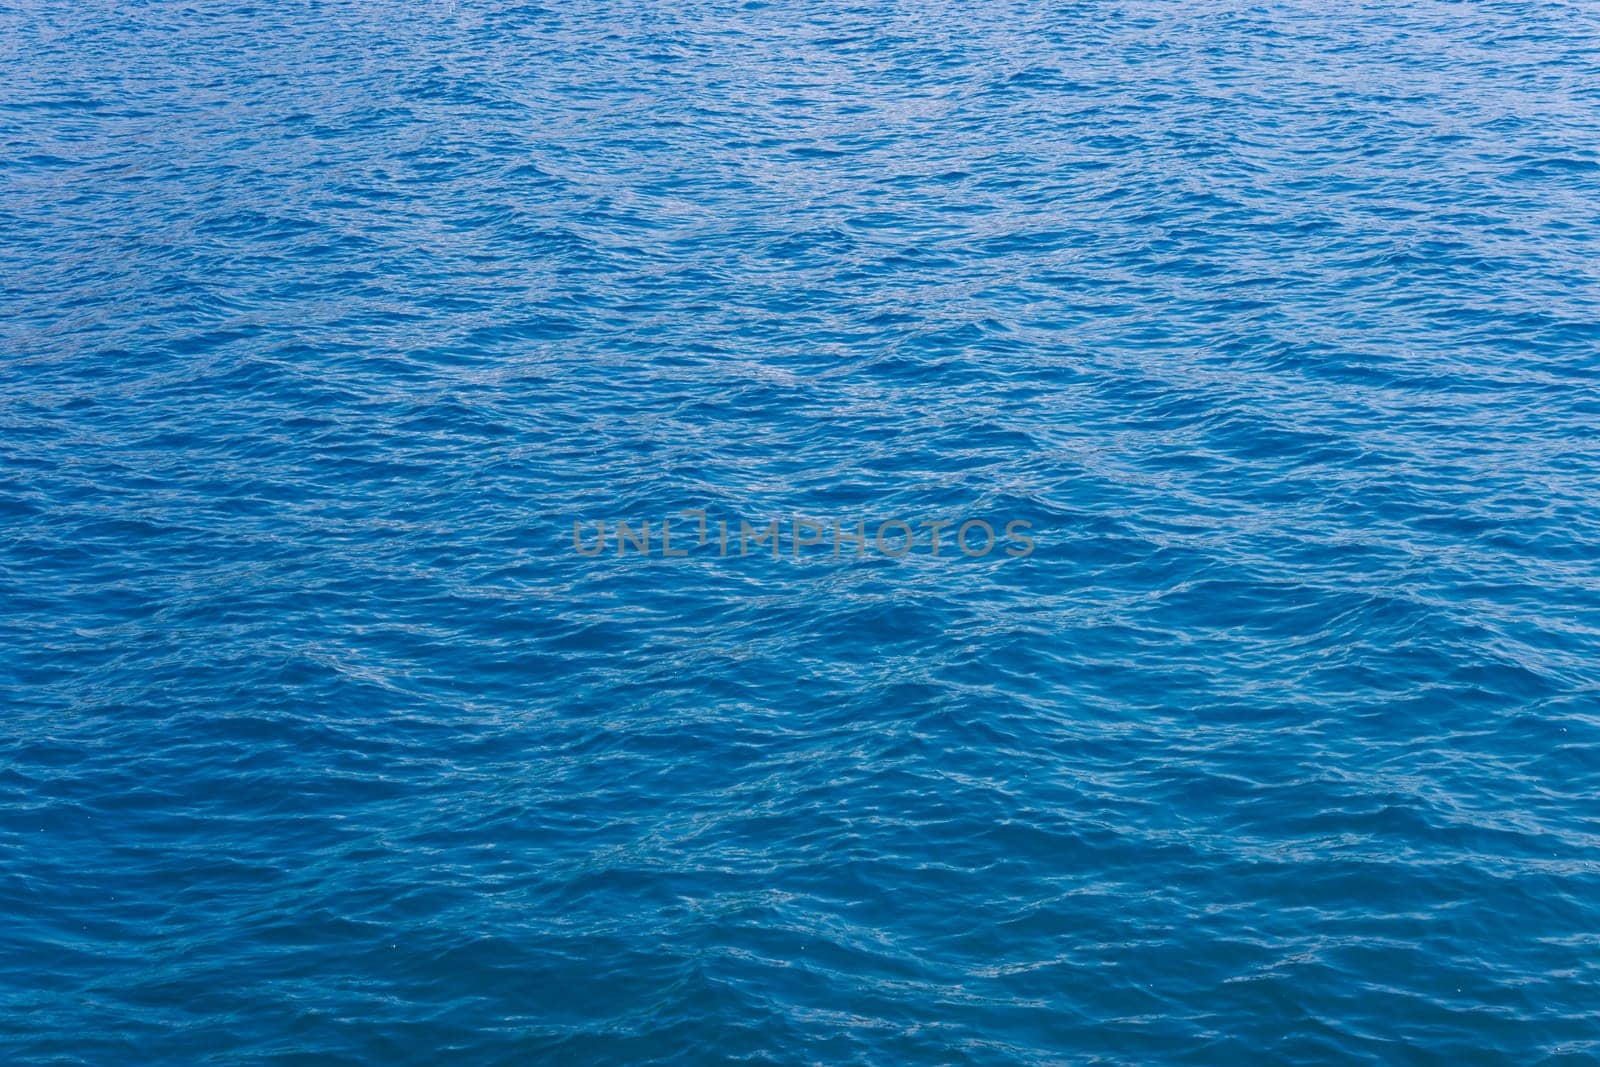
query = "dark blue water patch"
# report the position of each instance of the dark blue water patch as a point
(322, 324)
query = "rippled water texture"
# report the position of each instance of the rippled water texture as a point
(323, 322)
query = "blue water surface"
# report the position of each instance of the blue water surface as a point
(1277, 324)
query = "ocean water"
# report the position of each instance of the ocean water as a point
(1272, 733)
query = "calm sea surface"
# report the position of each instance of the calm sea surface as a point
(1273, 737)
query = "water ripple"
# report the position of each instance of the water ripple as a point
(323, 322)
